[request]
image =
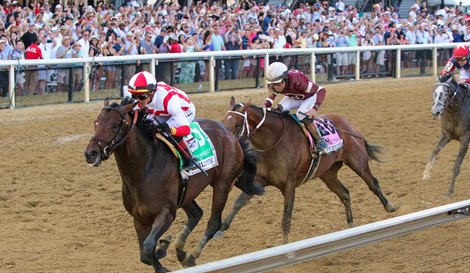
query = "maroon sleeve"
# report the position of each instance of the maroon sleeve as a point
(320, 98)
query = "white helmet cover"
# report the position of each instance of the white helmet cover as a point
(276, 72)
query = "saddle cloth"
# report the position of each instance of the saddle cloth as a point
(327, 131)
(202, 149)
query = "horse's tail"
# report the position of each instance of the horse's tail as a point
(246, 180)
(373, 151)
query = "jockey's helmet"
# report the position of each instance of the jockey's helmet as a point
(276, 72)
(142, 82)
(460, 51)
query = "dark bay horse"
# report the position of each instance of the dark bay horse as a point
(284, 157)
(151, 180)
(452, 106)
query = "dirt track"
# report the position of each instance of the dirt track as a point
(57, 214)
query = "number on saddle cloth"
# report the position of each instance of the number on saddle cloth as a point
(202, 149)
(327, 131)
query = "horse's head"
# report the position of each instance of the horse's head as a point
(443, 91)
(111, 128)
(236, 119)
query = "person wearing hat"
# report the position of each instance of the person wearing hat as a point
(299, 93)
(130, 49)
(63, 52)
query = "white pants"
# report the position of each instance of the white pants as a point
(303, 106)
(464, 74)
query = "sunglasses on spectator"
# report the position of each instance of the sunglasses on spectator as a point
(141, 96)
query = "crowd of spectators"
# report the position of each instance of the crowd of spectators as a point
(49, 31)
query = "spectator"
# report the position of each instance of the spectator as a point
(33, 52)
(18, 53)
(30, 36)
(4, 82)
(188, 69)
(63, 75)
(233, 41)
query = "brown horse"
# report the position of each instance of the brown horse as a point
(284, 159)
(152, 186)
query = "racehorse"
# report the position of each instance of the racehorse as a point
(284, 158)
(452, 107)
(152, 187)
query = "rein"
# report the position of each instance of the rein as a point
(111, 147)
(247, 126)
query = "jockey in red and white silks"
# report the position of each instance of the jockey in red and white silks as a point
(171, 105)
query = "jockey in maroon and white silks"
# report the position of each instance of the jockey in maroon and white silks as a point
(299, 93)
(459, 60)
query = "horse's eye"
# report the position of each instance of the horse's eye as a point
(115, 125)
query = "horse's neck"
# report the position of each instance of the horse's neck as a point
(137, 152)
(269, 132)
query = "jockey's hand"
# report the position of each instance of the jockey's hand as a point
(164, 127)
(144, 111)
(278, 108)
(312, 113)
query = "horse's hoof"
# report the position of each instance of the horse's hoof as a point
(426, 176)
(190, 261)
(146, 260)
(162, 248)
(390, 207)
(181, 255)
(449, 194)
(219, 235)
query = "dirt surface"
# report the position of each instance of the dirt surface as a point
(60, 215)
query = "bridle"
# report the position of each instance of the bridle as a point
(449, 99)
(246, 126)
(107, 149)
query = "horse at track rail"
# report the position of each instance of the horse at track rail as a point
(152, 187)
(284, 157)
(452, 106)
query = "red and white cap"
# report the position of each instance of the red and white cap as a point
(142, 82)
(461, 51)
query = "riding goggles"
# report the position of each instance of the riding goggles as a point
(463, 59)
(141, 96)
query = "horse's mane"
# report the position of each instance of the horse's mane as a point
(284, 114)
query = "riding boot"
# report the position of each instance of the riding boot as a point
(312, 129)
(188, 161)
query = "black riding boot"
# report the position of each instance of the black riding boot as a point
(188, 162)
(312, 128)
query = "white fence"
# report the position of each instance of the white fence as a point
(213, 56)
(312, 248)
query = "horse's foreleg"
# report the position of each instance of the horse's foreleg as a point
(289, 198)
(147, 251)
(458, 162)
(443, 140)
(194, 213)
(219, 199)
(239, 203)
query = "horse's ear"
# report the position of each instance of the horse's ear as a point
(232, 101)
(106, 102)
(128, 107)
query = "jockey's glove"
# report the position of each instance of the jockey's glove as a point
(164, 127)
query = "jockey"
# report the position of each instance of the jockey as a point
(168, 108)
(459, 60)
(299, 92)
